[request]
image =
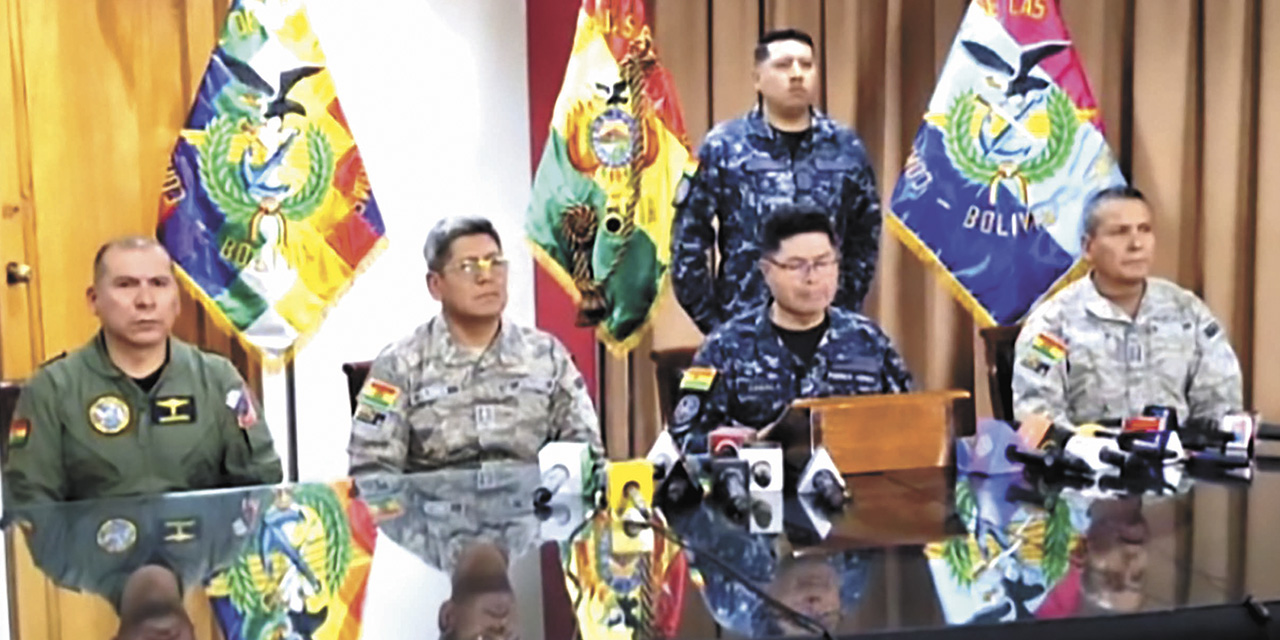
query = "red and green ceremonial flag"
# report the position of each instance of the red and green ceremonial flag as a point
(601, 211)
(1010, 150)
(267, 209)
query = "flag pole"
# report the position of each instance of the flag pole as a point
(291, 418)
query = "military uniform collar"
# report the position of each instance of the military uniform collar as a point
(1100, 307)
(99, 361)
(819, 123)
(764, 326)
(443, 346)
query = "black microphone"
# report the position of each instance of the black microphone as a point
(729, 485)
(552, 480)
(1231, 458)
(1051, 462)
(830, 493)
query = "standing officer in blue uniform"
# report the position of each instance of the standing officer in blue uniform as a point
(784, 151)
(750, 369)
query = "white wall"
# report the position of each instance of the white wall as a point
(436, 93)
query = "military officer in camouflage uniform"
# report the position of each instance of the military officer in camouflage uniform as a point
(135, 411)
(468, 386)
(750, 369)
(784, 151)
(1110, 344)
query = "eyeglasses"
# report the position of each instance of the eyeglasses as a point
(802, 268)
(473, 267)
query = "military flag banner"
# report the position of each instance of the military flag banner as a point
(600, 215)
(267, 209)
(1010, 150)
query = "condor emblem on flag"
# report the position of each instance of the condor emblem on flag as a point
(1010, 151)
(267, 210)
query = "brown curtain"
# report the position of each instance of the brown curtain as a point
(1189, 89)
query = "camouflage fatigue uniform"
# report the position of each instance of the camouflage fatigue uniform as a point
(757, 377)
(430, 403)
(83, 429)
(746, 171)
(441, 513)
(1173, 353)
(96, 545)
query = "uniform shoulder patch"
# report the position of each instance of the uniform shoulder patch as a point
(379, 394)
(1050, 347)
(697, 378)
(19, 432)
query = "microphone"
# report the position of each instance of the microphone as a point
(764, 460)
(1232, 459)
(630, 486)
(664, 454)
(552, 480)
(821, 478)
(767, 509)
(679, 489)
(564, 466)
(729, 485)
(1051, 463)
(726, 442)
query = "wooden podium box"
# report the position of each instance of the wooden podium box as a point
(866, 434)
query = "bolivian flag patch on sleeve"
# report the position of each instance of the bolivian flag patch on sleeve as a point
(697, 379)
(19, 431)
(1049, 347)
(379, 394)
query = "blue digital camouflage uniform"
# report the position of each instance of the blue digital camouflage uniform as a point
(757, 377)
(745, 172)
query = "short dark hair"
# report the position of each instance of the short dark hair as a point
(1095, 202)
(440, 239)
(792, 220)
(126, 242)
(779, 35)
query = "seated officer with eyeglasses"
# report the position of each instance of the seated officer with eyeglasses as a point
(798, 345)
(468, 386)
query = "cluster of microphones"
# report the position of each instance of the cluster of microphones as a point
(745, 479)
(1144, 453)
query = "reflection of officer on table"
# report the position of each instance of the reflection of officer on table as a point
(750, 369)
(784, 151)
(135, 410)
(114, 547)
(1112, 343)
(467, 385)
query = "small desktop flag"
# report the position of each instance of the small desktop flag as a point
(267, 209)
(600, 215)
(1010, 150)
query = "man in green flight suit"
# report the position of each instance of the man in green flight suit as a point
(135, 411)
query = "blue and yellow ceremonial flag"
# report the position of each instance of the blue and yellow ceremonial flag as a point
(1010, 150)
(267, 209)
(303, 570)
(601, 212)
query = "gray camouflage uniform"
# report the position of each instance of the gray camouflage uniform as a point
(447, 405)
(757, 377)
(745, 171)
(1174, 353)
(442, 513)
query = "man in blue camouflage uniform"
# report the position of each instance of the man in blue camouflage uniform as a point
(752, 367)
(782, 152)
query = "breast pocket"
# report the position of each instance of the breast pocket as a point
(856, 376)
(769, 177)
(759, 400)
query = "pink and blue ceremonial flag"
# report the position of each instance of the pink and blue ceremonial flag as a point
(1009, 152)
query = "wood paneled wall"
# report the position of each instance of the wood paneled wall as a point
(95, 96)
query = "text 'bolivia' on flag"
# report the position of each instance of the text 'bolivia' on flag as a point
(1010, 150)
(600, 215)
(267, 210)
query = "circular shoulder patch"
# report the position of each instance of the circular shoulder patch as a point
(109, 414)
(117, 535)
(686, 409)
